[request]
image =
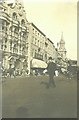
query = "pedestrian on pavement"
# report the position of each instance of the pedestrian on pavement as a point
(51, 71)
(69, 69)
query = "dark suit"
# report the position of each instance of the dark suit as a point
(51, 71)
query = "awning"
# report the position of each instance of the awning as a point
(38, 64)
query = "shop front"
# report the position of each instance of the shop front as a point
(38, 66)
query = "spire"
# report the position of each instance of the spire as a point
(19, 1)
(62, 36)
(62, 39)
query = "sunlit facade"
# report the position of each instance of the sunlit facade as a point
(23, 46)
(40, 47)
(13, 36)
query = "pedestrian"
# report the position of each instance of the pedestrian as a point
(69, 69)
(51, 72)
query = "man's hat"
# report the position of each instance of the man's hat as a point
(50, 58)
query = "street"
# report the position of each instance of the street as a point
(29, 98)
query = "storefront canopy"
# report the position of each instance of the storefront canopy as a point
(38, 64)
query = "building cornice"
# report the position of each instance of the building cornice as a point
(37, 29)
(40, 31)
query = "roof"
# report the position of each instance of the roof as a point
(38, 29)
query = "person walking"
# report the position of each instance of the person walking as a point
(69, 69)
(51, 72)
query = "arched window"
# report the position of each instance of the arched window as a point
(16, 30)
(23, 35)
(23, 22)
(14, 16)
(11, 29)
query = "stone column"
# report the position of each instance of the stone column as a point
(29, 46)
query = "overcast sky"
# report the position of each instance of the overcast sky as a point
(53, 17)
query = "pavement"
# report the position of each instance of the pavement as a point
(28, 97)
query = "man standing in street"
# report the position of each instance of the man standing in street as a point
(51, 71)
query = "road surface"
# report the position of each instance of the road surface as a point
(29, 98)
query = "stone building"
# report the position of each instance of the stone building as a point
(62, 59)
(40, 48)
(13, 36)
(23, 46)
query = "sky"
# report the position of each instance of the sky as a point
(53, 17)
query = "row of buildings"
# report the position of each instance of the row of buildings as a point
(22, 44)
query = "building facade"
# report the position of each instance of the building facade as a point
(13, 36)
(62, 58)
(40, 48)
(22, 45)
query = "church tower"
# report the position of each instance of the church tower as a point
(61, 48)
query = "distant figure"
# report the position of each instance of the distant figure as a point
(69, 71)
(11, 71)
(36, 72)
(51, 71)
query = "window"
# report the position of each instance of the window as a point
(39, 49)
(4, 9)
(33, 30)
(46, 44)
(46, 56)
(1, 46)
(5, 40)
(10, 42)
(5, 46)
(32, 39)
(23, 22)
(4, 27)
(14, 16)
(16, 30)
(35, 41)
(11, 29)
(24, 35)
(61, 55)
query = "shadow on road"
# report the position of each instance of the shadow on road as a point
(47, 85)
